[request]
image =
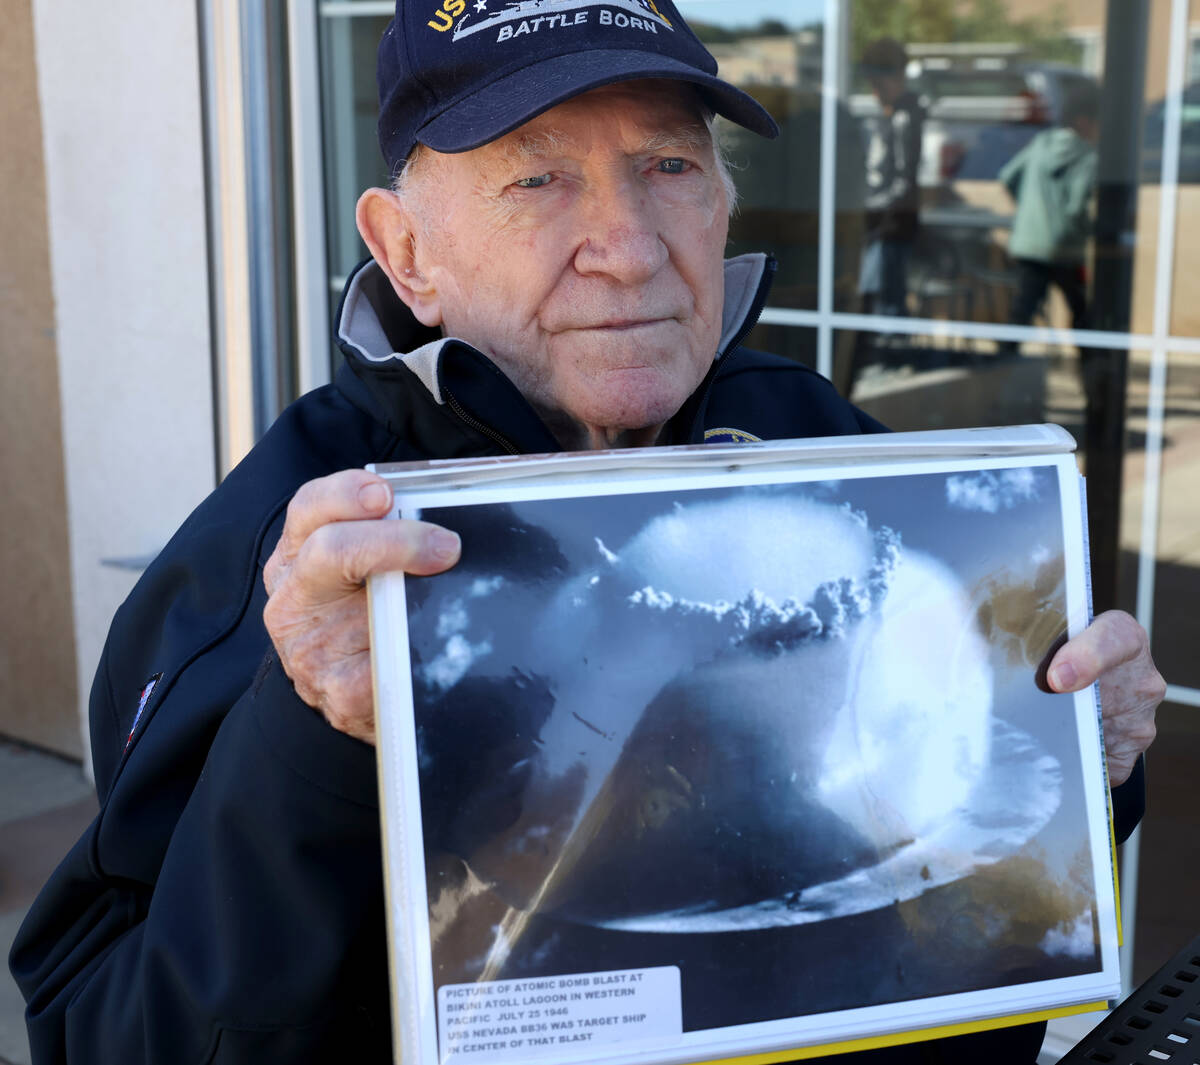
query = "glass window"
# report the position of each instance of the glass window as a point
(1170, 844)
(990, 136)
(774, 54)
(1177, 552)
(1193, 56)
(914, 382)
(1185, 313)
(349, 40)
(796, 342)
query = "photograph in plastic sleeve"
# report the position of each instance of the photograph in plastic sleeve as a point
(788, 738)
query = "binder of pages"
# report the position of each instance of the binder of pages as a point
(681, 853)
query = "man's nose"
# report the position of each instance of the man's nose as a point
(620, 234)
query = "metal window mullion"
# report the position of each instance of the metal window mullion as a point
(1178, 693)
(229, 243)
(1163, 288)
(1155, 411)
(944, 327)
(339, 126)
(357, 8)
(263, 232)
(831, 63)
(249, 234)
(308, 198)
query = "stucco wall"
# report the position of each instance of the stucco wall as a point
(119, 87)
(37, 638)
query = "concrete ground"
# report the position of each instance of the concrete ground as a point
(45, 803)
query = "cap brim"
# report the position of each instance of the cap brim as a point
(510, 101)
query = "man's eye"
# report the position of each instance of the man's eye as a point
(534, 182)
(672, 166)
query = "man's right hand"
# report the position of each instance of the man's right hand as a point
(316, 612)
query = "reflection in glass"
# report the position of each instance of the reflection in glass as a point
(780, 65)
(1185, 310)
(893, 155)
(1051, 181)
(796, 343)
(1177, 578)
(349, 108)
(960, 384)
(985, 90)
(991, 79)
(1018, 131)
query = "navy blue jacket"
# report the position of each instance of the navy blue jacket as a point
(226, 905)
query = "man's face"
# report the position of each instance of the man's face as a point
(583, 254)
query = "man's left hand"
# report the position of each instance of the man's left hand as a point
(1115, 650)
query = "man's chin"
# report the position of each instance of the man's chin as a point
(633, 421)
(601, 438)
(629, 402)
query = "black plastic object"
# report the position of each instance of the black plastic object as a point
(1159, 1022)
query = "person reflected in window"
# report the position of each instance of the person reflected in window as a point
(893, 154)
(1051, 180)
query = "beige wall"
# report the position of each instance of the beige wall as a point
(122, 138)
(38, 691)
(106, 408)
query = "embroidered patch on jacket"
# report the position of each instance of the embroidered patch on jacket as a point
(143, 699)
(730, 436)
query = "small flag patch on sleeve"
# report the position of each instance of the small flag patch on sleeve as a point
(143, 699)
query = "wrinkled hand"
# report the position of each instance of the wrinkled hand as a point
(316, 612)
(1115, 650)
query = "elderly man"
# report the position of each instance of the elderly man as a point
(546, 274)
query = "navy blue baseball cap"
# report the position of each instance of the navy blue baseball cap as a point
(455, 74)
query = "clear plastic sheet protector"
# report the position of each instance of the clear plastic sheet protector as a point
(740, 751)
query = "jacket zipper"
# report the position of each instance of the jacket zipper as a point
(478, 426)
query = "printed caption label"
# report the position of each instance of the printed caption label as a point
(504, 1020)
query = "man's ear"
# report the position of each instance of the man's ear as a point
(387, 226)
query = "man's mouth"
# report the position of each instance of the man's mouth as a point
(625, 324)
